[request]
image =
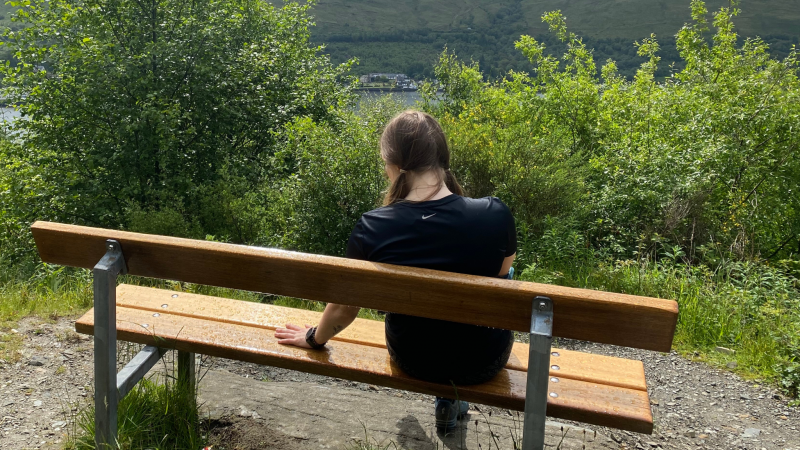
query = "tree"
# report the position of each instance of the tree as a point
(145, 103)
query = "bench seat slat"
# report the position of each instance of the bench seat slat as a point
(575, 365)
(603, 317)
(603, 405)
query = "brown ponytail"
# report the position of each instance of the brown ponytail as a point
(414, 142)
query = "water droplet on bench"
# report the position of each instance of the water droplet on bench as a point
(555, 367)
(174, 295)
(164, 305)
(554, 380)
(145, 325)
(156, 315)
(555, 354)
(553, 394)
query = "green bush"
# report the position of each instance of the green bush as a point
(167, 222)
(148, 104)
(334, 176)
(704, 158)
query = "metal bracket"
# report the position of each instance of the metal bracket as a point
(113, 260)
(137, 368)
(106, 396)
(536, 388)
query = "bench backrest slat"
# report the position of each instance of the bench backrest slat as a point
(618, 319)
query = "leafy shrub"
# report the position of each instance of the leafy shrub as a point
(335, 175)
(123, 109)
(166, 221)
(703, 158)
(789, 373)
(502, 145)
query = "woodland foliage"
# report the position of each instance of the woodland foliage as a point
(705, 159)
(163, 106)
(686, 188)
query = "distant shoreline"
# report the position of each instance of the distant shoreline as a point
(380, 89)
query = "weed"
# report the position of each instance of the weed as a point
(369, 443)
(158, 413)
(10, 344)
(46, 292)
(68, 336)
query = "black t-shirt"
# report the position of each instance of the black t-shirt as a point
(454, 234)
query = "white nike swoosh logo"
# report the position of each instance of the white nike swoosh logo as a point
(428, 217)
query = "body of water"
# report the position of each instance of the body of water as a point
(409, 99)
(9, 114)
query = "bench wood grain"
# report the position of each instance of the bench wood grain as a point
(574, 365)
(597, 404)
(603, 317)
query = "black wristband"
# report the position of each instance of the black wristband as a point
(310, 340)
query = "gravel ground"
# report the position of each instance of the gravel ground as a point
(695, 407)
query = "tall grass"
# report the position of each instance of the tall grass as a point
(745, 306)
(45, 291)
(154, 415)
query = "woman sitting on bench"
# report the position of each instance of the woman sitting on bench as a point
(426, 222)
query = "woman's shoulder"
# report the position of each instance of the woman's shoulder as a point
(399, 210)
(380, 212)
(492, 203)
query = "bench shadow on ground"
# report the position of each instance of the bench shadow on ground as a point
(412, 435)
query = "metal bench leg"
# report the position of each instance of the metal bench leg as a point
(538, 374)
(186, 371)
(106, 396)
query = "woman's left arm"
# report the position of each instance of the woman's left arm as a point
(335, 319)
(507, 263)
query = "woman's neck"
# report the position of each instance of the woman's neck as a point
(426, 186)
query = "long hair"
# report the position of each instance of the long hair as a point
(414, 142)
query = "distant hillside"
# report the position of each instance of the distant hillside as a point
(408, 35)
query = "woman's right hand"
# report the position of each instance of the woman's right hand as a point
(293, 335)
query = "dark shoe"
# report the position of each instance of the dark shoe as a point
(447, 413)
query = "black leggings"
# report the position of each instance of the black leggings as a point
(477, 376)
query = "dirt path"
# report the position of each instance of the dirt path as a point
(694, 406)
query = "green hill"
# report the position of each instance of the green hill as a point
(408, 35)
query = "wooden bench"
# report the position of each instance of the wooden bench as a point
(595, 389)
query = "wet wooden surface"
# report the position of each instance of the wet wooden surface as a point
(574, 365)
(603, 317)
(597, 404)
